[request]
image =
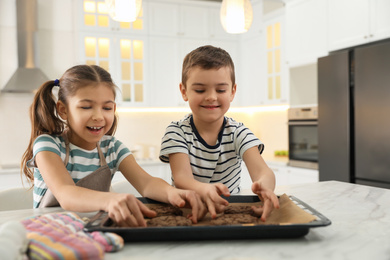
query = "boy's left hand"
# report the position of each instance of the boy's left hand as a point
(269, 199)
(188, 199)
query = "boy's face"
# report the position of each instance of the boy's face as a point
(209, 93)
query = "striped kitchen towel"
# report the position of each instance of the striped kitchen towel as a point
(61, 236)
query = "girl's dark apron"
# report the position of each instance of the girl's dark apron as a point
(99, 180)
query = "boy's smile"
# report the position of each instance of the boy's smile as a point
(209, 93)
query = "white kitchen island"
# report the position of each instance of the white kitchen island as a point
(360, 229)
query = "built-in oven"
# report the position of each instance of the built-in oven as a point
(303, 137)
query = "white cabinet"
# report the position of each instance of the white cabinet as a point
(10, 178)
(119, 184)
(298, 175)
(250, 73)
(354, 22)
(287, 175)
(175, 19)
(276, 89)
(165, 71)
(306, 31)
(175, 29)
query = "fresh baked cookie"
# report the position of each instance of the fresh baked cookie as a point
(237, 209)
(231, 219)
(166, 210)
(164, 221)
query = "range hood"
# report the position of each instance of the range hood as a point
(28, 77)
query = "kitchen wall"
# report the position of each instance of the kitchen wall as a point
(56, 52)
(142, 129)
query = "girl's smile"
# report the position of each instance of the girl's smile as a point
(90, 114)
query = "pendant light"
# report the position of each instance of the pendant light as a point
(236, 15)
(124, 10)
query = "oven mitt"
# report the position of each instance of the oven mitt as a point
(61, 236)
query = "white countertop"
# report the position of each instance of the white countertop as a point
(360, 229)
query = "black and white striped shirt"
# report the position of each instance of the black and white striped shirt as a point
(211, 163)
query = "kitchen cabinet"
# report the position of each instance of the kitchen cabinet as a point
(251, 72)
(170, 18)
(306, 31)
(284, 175)
(288, 175)
(153, 167)
(353, 23)
(276, 80)
(118, 47)
(93, 17)
(176, 28)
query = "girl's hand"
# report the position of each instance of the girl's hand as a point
(188, 199)
(211, 195)
(127, 211)
(269, 199)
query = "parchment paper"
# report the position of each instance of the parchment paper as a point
(288, 213)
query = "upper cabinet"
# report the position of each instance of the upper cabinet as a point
(306, 31)
(354, 22)
(174, 19)
(175, 29)
(276, 91)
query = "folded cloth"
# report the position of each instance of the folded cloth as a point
(61, 236)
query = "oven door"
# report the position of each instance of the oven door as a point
(303, 143)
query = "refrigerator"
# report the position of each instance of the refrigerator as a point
(354, 115)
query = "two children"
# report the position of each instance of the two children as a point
(74, 154)
(205, 148)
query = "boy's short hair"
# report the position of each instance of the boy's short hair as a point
(207, 57)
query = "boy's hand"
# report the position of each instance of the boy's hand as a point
(211, 195)
(269, 199)
(188, 199)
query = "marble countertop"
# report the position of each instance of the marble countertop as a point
(360, 229)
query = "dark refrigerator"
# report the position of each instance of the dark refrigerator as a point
(354, 115)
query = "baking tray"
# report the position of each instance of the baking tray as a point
(101, 222)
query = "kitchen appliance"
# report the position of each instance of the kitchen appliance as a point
(354, 115)
(303, 137)
(28, 76)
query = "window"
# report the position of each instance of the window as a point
(117, 47)
(274, 61)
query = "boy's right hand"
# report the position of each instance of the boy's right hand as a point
(211, 196)
(127, 211)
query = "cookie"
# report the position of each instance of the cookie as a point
(231, 219)
(164, 221)
(166, 210)
(236, 209)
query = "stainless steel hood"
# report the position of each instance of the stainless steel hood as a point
(28, 76)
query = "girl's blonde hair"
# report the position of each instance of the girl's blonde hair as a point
(43, 113)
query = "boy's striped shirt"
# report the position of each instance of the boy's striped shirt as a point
(211, 163)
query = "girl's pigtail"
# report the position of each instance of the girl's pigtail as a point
(44, 120)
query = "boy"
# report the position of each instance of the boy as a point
(205, 149)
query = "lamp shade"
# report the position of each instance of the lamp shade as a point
(124, 10)
(236, 15)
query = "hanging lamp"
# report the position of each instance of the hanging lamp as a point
(124, 10)
(236, 15)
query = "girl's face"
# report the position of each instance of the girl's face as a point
(209, 94)
(90, 114)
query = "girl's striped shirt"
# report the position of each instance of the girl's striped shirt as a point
(81, 162)
(211, 163)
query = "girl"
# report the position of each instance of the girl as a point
(74, 153)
